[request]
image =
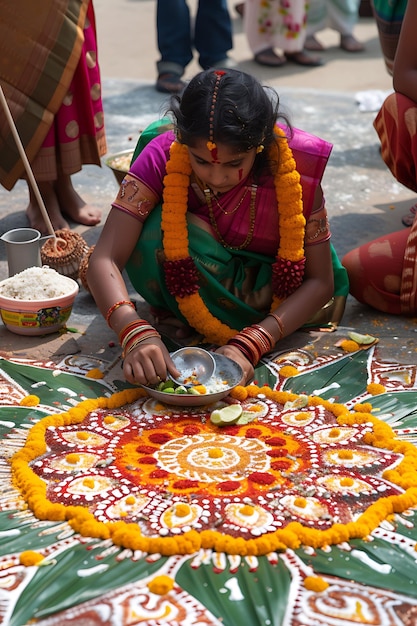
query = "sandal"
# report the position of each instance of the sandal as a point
(408, 218)
(313, 44)
(240, 9)
(350, 44)
(302, 58)
(269, 58)
(169, 82)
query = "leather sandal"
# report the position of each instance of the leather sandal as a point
(302, 58)
(350, 44)
(169, 82)
(313, 44)
(269, 58)
(240, 8)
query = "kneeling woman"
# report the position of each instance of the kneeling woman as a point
(221, 224)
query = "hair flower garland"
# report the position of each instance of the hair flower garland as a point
(181, 275)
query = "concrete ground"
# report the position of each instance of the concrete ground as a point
(363, 199)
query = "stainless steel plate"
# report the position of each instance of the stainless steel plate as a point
(226, 369)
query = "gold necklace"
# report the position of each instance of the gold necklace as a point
(220, 206)
(213, 222)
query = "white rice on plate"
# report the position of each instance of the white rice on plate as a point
(36, 283)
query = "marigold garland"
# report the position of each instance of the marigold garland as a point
(34, 490)
(180, 272)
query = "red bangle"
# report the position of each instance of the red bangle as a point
(116, 306)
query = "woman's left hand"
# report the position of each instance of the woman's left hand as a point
(236, 355)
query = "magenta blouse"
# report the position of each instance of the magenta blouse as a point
(311, 155)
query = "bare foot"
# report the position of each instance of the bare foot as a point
(34, 214)
(73, 205)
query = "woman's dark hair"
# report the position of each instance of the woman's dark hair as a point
(229, 107)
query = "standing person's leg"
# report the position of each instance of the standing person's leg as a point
(173, 29)
(343, 18)
(213, 34)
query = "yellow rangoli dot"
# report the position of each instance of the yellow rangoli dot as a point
(335, 432)
(161, 585)
(82, 435)
(345, 454)
(346, 481)
(215, 453)
(88, 482)
(301, 503)
(30, 557)
(182, 510)
(72, 458)
(247, 510)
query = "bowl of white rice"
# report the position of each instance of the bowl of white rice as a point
(37, 301)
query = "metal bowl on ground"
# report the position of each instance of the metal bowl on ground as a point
(119, 163)
(226, 370)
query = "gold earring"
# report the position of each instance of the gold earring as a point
(260, 148)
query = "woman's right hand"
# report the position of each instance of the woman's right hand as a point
(148, 363)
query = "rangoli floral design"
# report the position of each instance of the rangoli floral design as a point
(150, 514)
(166, 472)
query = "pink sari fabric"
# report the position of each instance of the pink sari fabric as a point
(77, 134)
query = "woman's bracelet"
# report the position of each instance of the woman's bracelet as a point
(253, 341)
(115, 306)
(135, 333)
(279, 322)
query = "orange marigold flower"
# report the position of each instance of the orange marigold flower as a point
(239, 393)
(161, 585)
(315, 583)
(288, 370)
(348, 345)
(95, 373)
(375, 389)
(365, 407)
(30, 557)
(30, 400)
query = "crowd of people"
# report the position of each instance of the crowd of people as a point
(221, 222)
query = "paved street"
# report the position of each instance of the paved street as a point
(363, 199)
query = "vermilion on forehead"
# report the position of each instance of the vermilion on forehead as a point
(225, 153)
